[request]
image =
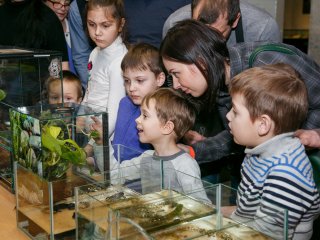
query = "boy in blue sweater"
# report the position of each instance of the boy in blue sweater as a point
(268, 104)
(142, 74)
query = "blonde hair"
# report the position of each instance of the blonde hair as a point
(68, 76)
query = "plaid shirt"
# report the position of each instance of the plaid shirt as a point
(220, 145)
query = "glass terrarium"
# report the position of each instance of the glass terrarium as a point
(133, 197)
(23, 73)
(49, 139)
(138, 205)
(46, 209)
(50, 147)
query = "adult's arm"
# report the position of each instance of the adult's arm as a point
(214, 148)
(80, 44)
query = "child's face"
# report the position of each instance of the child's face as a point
(244, 131)
(139, 83)
(103, 28)
(148, 124)
(69, 89)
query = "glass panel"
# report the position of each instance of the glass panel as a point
(23, 73)
(49, 138)
(47, 208)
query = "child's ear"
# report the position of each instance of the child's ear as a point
(265, 125)
(168, 128)
(122, 22)
(161, 79)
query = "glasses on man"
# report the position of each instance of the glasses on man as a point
(58, 5)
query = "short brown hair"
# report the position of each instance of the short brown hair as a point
(276, 90)
(142, 56)
(170, 105)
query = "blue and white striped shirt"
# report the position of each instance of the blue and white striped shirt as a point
(275, 175)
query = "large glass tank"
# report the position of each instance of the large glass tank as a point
(136, 205)
(23, 73)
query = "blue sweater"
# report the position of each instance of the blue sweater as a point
(126, 132)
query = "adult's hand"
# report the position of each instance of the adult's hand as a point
(309, 138)
(192, 137)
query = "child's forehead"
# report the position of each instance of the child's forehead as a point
(139, 68)
(148, 104)
(105, 12)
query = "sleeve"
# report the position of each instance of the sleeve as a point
(271, 31)
(80, 45)
(284, 188)
(189, 177)
(116, 92)
(216, 147)
(56, 39)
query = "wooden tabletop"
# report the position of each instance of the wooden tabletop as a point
(8, 223)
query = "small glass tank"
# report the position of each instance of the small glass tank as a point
(22, 76)
(49, 139)
(49, 149)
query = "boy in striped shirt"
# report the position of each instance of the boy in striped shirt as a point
(268, 104)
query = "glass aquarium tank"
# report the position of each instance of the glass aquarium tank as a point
(46, 209)
(48, 139)
(52, 149)
(134, 205)
(23, 73)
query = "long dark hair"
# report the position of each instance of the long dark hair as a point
(192, 42)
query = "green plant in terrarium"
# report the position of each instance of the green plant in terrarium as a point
(2, 94)
(51, 154)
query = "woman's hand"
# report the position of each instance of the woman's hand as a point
(192, 137)
(309, 138)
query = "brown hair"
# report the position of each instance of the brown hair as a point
(68, 76)
(276, 90)
(117, 10)
(142, 56)
(170, 105)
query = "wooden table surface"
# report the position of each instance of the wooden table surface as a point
(8, 224)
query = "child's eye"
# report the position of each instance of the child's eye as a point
(91, 24)
(144, 116)
(106, 25)
(140, 81)
(126, 81)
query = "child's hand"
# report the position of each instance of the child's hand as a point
(309, 138)
(192, 137)
(97, 126)
(228, 210)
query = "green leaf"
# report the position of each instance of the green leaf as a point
(2, 94)
(49, 142)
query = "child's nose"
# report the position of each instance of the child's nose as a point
(132, 86)
(138, 119)
(228, 115)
